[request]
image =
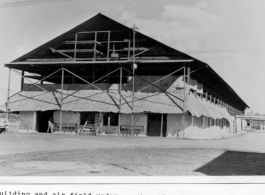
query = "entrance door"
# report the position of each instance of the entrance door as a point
(42, 120)
(154, 124)
(164, 130)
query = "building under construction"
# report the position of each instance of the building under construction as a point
(103, 74)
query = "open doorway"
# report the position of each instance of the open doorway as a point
(155, 126)
(164, 126)
(42, 120)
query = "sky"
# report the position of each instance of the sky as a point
(229, 35)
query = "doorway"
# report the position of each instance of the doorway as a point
(164, 128)
(42, 120)
(154, 125)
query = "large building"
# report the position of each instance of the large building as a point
(104, 72)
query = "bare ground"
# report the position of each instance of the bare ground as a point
(56, 155)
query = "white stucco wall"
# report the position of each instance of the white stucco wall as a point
(27, 121)
(193, 128)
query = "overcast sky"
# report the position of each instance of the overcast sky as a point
(229, 35)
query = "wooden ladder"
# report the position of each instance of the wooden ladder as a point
(91, 125)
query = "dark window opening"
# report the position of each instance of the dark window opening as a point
(110, 119)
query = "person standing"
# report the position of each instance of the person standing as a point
(50, 125)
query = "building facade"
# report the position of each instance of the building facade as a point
(128, 83)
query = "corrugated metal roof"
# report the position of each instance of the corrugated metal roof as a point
(96, 100)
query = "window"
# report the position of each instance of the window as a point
(111, 119)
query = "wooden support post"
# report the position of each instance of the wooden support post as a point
(34, 121)
(134, 28)
(8, 94)
(183, 125)
(161, 133)
(109, 120)
(188, 75)
(75, 46)
(235, 126)
(206, 96)
(22, 80)
(120, 90)
(61, 106)
(184, 90)
(100, 122)
(108, 45)
(129, 49)
(95, 46)
(188, 78)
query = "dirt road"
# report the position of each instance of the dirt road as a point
(59, 155)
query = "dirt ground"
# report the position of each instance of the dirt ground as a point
(72, 155)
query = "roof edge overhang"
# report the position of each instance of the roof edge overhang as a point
(98, 62)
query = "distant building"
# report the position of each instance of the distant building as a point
(171, 93)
